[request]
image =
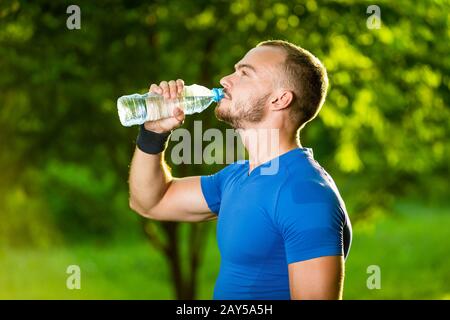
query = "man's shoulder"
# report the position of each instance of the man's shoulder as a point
(231, 169)
(235, 166)
(307, 182)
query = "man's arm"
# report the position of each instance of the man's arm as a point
(154, 193)
(317, 279)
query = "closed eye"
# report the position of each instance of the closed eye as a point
(241, 70)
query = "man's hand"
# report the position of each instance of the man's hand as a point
(169, 90)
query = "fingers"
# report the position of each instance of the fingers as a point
(166, 124)
(180, 86)
(163, 125)
(154, 88)
(169, 90)
(165, 89)
(172, 89)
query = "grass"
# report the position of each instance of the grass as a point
(115, 272)
(410, 247)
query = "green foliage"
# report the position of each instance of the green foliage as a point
(84, 202)
(413, 261)
(382, 133)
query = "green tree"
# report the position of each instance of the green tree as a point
(382, 133)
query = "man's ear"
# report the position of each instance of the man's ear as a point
(282, 100)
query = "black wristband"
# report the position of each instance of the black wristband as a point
(151, 142)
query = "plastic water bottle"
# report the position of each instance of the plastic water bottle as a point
(136, 109)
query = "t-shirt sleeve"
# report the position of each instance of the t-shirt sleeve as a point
(213, 185)
(310, 220)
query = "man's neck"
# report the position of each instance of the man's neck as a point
(266, 144)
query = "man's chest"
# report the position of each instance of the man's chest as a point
(246, 232)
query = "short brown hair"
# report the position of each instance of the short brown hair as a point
(306, 76)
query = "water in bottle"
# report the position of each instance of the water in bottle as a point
(136, 109)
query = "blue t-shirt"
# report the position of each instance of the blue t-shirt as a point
(267, 221)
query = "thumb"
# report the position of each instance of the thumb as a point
(178, 114)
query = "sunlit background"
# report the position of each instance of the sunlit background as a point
(383, 134)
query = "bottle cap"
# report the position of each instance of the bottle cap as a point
(218, 94)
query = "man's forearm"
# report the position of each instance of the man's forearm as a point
(149, 175)
(149, 180)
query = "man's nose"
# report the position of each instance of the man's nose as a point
(226, 81)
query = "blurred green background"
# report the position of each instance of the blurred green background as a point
(382, 134)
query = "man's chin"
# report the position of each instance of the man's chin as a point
(220, 113)
(221, 109)
(223, 114)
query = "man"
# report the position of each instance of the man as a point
(281, 235)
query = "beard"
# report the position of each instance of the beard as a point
(241, 115)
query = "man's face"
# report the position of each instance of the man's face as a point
(248, 89)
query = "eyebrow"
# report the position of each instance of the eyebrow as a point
(244, 65)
